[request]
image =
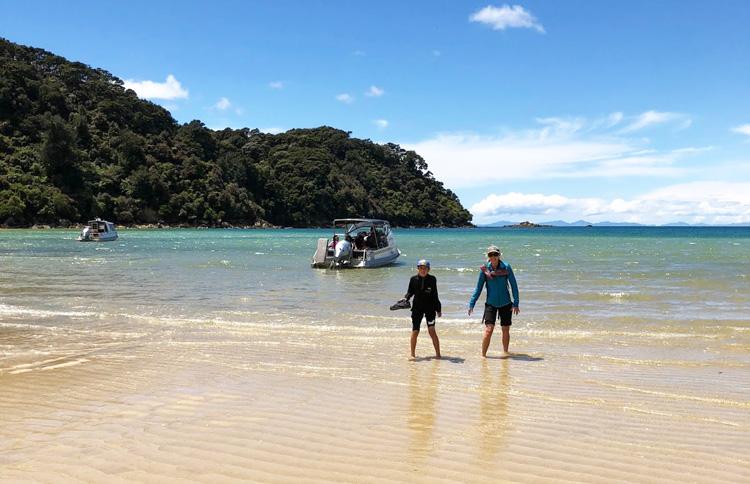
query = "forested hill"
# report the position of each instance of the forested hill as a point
(75, 144)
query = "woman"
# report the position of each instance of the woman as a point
(496, 274)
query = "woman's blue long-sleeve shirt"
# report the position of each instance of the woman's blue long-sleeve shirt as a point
(497, 288)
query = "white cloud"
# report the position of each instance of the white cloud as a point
(532, 203)
(652, 118)
(277, 84)
(559, 126)
(345, 98)
(463, 160)
(223, 104)
(614, 119)
(709, 202)
(374, 91)
(558, 148)
(501, 18)
(169, 89)
(272, 130)
(381, 123)
(744, 129)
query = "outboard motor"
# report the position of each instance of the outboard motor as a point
(342, 254)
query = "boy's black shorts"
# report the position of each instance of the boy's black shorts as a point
(491, 312)
(416, 318)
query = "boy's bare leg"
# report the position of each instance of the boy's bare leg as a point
(435, 340)
(488, 329)
(506, 338)
(414, 335)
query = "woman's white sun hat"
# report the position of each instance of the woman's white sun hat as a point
(493, 248)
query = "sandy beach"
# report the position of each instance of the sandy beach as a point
(312, 404)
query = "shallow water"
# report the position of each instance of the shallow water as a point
(666, 289)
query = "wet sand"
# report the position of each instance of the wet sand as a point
(214, 402)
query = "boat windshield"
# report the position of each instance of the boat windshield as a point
(363, 233)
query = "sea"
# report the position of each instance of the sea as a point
(590, 282)
(680, 293)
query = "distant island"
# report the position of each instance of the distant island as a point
(75, 145)
(583, 223)
(526, 225)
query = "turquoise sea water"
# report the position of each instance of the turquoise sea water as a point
(657, 273)
(666, 285)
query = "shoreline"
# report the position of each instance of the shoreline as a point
(222, 226)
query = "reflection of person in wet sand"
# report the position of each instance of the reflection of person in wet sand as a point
(493, 404)
(422, 390)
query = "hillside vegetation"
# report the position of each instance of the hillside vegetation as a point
(75, 144)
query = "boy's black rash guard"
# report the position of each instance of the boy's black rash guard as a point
(424, 290)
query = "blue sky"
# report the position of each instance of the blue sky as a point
(632, 111)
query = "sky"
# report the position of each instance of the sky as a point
(633, 111)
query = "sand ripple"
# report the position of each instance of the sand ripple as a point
(188, 400)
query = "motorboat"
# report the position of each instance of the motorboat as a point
(98, 231)
(357, 243)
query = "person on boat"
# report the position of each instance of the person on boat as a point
(496, 275)
(333, 243)
(359, 241)
(423, 287)
(381, 237)
(372, 239)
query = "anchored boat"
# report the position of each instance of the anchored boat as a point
(98, 231)
(357, 243)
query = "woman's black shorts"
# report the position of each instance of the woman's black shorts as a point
(416, 318)
(491, 312)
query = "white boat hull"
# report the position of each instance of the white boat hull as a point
(368, 259)
(107, 238)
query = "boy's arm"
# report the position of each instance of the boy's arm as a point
(409, 292)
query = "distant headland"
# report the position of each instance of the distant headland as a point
(75, 144)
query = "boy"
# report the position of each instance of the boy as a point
(426, 304)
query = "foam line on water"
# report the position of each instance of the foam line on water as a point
(7, 310)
